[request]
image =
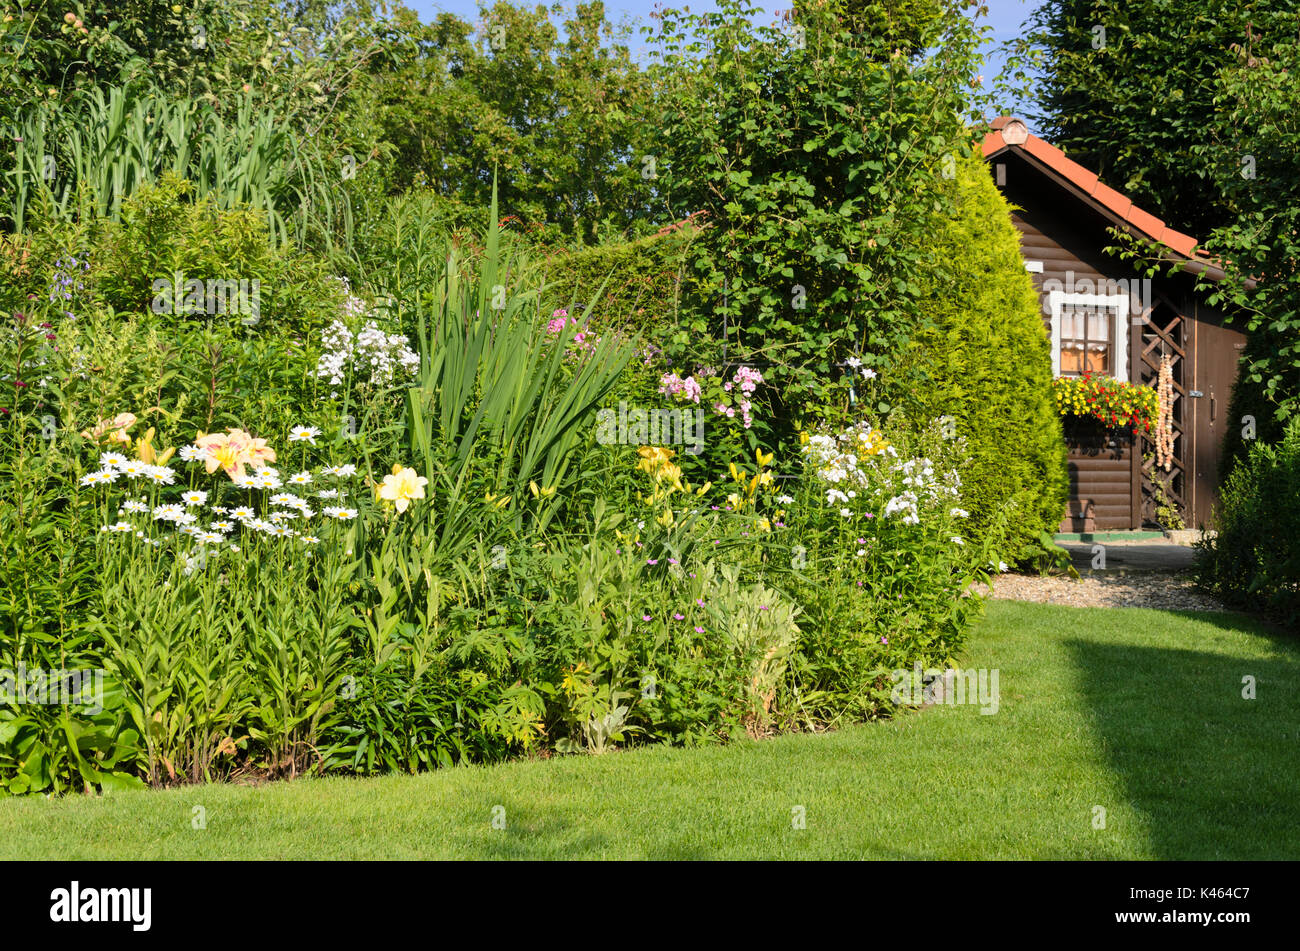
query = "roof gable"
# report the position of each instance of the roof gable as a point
(1011, 134)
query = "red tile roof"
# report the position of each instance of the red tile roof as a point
(1010, 133)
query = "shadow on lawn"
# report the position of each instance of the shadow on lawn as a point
(1211, 774)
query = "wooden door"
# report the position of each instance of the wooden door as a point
(1217, 350)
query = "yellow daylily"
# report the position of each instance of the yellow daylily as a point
(667, 519)
(763, 460)
(146, 453)
(402, 486)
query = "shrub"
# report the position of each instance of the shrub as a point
(1254, 560)
(986, 364)
(883, 562)
(642, 281)
(167, 238)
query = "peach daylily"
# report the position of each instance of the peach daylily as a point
(232, 450)
(112, 430)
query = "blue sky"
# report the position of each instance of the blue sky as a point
(1005, 16)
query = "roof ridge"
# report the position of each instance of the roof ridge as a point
(1011, 132)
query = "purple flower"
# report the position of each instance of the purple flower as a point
(645, 617)
(699, 630)
(679, 617)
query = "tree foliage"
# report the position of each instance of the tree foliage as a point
(985, 363)
(815, 153)
(1129, 87)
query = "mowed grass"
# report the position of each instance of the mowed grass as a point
(1137, 712)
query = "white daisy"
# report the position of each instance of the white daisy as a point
(286, 498)
(222, 526)
(340, 513)
(190, 453)
(282, 531)
(311, 539)
(300, 478)
(194, 497)
(135, 505)
(120, 527)
(305, 434)
(328, 494)
(163, 475)
(242, 512)
(169, 512)
(93, 478)
(109, 459)
(208, 538)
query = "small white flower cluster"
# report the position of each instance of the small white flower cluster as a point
(867, 477)
(281, 508)
(114, 466)
(845, 458)
(373, 356)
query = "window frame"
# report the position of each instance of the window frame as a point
(1118, 304)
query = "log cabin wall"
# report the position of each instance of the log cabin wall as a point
(1063, 235)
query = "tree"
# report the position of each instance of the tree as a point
(816, 155)
(556, 121)
(986, 364)
(1129, 86)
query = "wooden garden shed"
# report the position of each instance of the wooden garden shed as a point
(1104, 319)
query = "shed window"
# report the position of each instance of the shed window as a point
(1089, 334)
(1086, 340)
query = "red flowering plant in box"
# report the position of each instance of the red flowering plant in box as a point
(1113, 402)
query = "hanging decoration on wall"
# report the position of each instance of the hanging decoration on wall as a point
(1165, 417)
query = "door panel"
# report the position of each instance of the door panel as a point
(1217, 351)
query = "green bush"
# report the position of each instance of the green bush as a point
(1254, 560)
(167, 235)
(986, 363)
(643, 281)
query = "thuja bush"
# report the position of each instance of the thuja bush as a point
(983, 363)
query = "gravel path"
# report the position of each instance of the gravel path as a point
(1167, 591)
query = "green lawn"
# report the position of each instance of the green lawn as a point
(1137, 711)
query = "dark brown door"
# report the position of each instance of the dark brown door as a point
(1217, 350)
